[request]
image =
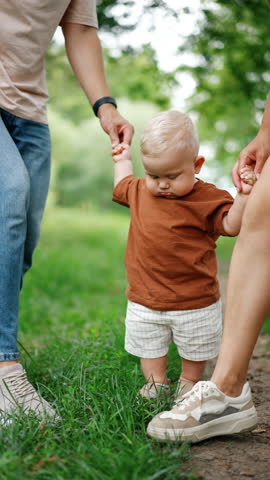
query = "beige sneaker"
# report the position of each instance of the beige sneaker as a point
(17, 395)
(205, 412)
(154, 390)
(183, 387)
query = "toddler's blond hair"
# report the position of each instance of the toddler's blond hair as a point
(169, 130)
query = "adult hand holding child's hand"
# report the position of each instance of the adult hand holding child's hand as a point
(254, 156)
(247, 179)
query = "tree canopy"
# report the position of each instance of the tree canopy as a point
(230, 45)
(133, 74)
(232, 49)
(115, 16)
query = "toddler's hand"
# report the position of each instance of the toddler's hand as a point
(121, 151)
(248, 178)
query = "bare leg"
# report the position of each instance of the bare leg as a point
(248, 294)
(8, 363)
(155, 369)
(192, 371)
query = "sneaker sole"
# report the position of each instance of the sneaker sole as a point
(228, 425)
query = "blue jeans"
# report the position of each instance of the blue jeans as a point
(24, 181)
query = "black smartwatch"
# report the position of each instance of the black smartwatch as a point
(101, 101)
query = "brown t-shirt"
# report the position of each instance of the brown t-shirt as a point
(26, 29)
(170, 255)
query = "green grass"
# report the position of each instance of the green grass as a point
(225, 247)
(72, 332)
(72, 337)
(266, 326)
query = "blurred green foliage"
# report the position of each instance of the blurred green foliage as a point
(231, 44)
(82, 163)
(134, 74)
(231, 47)
(116, 16)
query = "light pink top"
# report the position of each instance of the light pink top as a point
(26, 29)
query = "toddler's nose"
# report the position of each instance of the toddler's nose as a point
(164, 184)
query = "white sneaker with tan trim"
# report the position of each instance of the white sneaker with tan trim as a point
(17, 396)
(205, 412)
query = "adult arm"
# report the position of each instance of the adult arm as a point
(257, 151)
(85, 56)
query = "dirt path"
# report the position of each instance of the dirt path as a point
(247, 455)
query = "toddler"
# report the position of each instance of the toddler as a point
(176, 218)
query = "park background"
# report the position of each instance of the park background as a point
(73, 303)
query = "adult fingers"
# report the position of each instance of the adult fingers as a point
(246, 157)
(127, 132)
(113, 134)
(260, 161)
(236, 178)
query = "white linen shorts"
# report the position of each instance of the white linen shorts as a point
(196, 333)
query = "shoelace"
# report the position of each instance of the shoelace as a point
(20, 386)
(200, 390)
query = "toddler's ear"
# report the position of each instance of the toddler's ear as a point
(198, 163)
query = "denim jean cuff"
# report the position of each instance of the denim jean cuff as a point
(6, 357)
